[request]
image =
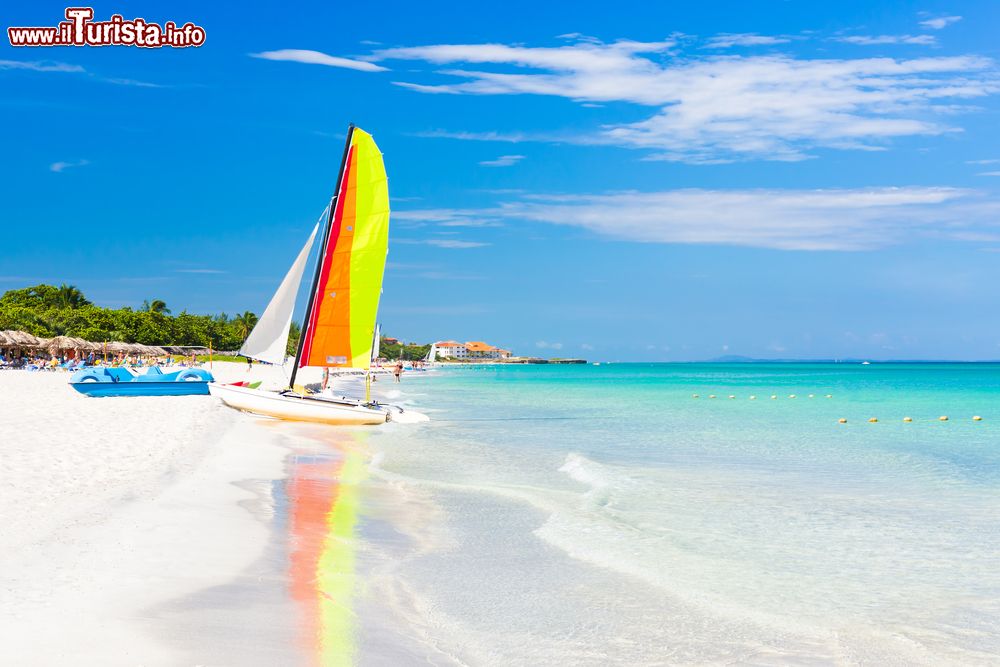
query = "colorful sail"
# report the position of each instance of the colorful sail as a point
(341, 323)
(269, 338)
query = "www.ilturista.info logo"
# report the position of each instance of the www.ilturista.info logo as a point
(79, 29)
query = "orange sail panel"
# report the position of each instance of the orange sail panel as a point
(341, 326)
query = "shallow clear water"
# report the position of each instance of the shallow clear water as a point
(602, 514)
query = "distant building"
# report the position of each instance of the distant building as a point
(451, 349)
(475, 349)
(390, 341)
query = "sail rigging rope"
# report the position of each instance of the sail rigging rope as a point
(319, 222)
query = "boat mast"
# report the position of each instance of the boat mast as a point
(321, 257)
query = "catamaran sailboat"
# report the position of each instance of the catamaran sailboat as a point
(339, 330)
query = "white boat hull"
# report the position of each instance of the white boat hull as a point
(294, 407)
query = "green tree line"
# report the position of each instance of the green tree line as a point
(409, 351)
(46, 311)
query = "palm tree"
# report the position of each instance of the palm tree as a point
(294, 331)
(245, 323)
(68, 296)
(155, 306)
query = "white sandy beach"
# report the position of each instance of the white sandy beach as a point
(112, 508)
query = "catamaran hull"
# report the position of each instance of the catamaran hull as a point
(102, 389)
(297, 408)
(120, 382)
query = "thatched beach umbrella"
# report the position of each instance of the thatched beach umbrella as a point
(22, 338)
(4, 341)
(61, 343)
(117, 346)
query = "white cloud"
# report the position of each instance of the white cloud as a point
(53, 66)
(455, 243)
(133, 82)
(727, 40)
(206, 271)
(720, 108)
(511, 137)
(586, 346)
(994, 161)
(503, 161)
(318, 58)
(583, 56)
(989, 173)
(40, 66)
(834, 219)
(873, 40)
(940, 22)
(544, 345)
(444, 243)
(59, 167)
(446, 217)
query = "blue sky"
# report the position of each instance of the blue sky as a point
(771, 179)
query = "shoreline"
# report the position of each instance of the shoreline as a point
(117, 519)
(161, 530)
(464, 541)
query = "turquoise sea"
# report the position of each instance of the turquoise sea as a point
(604, 515)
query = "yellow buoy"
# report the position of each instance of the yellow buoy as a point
(753, 398)
(711, 395)
(943, 418)
(773, 396)
(907, 419)
(694, 395)
(873, 420)
(842, 420)
(791, 396)
(812, 396)
(731, 396)
(977, 418)
(829, 395)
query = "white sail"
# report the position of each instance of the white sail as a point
(268, 340)
(377, 342)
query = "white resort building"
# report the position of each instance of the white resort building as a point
(450, 349)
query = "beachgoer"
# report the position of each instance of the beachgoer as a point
(249, 364)
(326, 377)
(398, 370)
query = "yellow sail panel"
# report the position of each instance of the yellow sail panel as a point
(341, 325)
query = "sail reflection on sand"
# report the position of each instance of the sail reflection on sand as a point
(323, 502)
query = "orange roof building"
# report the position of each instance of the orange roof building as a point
(474, 349)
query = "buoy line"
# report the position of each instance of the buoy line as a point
(908, 420)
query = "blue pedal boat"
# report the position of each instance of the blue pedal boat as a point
(154, 382)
